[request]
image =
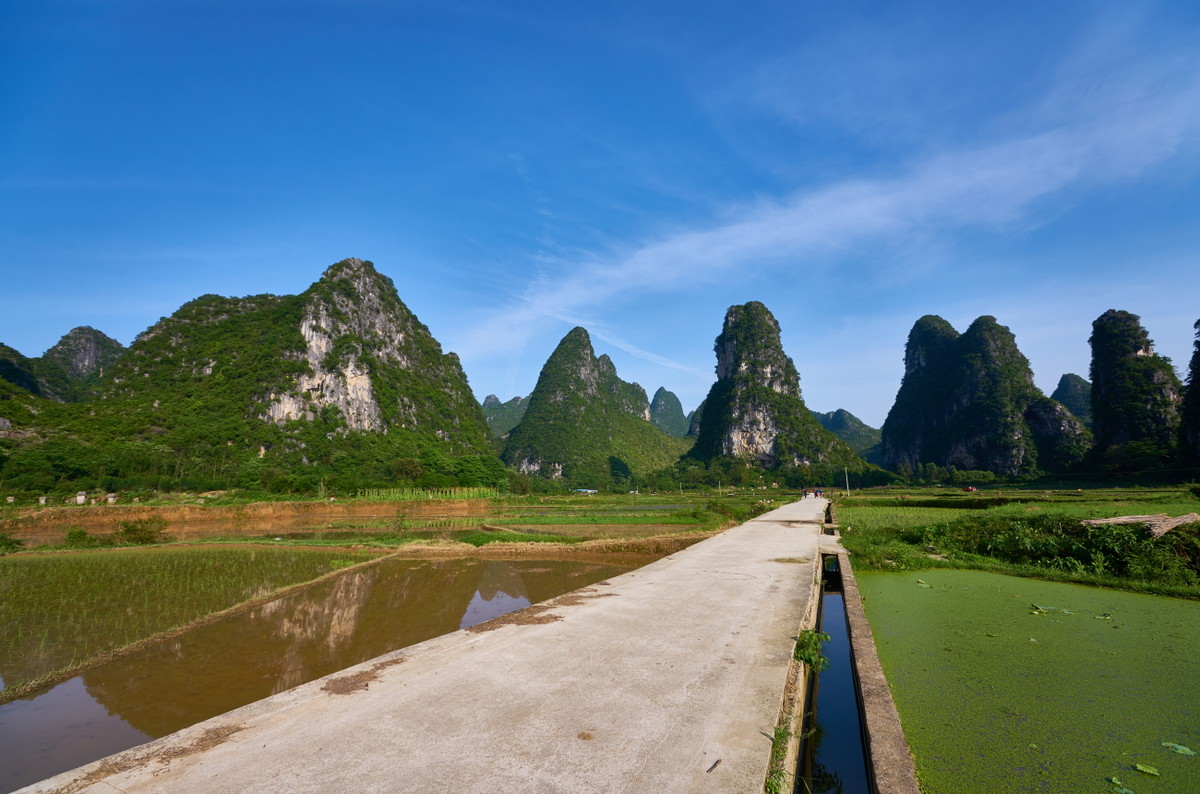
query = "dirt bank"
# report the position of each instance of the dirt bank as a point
(110, 516)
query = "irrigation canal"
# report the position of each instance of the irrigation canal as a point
(671, 677)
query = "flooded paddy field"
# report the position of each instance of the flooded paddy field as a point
(271, 645)
(1013, 684)
(62, 610)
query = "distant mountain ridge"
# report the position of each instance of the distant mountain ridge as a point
(968, 401)
(17, 370)
(862, 438)
(1075, 394)
(666, 413)
(503, 417)
(585, 424)
(343, 385)
(754, 412)
(68, 372)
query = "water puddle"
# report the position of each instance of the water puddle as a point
(310, 633)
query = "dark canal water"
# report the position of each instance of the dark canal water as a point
(835, 756)
(279, 645)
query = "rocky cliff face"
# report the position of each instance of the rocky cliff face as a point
(373, 361)
(1075, 394)
(754, 412)
(969, 401)
(503, 417)
(1136, 394)
(585, 423)
(666, 413)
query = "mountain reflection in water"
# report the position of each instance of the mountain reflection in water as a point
(307, 634)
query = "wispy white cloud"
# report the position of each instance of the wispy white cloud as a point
(645, 355)
(1122, 129)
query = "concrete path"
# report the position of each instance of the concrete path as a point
(665, 679)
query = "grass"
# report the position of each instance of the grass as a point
(607, 518)
(483, 538)
(1041, 536)
(424, 495)
(779, 779)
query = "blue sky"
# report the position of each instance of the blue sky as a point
(519, 168)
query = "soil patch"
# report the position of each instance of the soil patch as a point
(349, 684)
(129, 761)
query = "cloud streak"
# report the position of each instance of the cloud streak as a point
(1116, 132)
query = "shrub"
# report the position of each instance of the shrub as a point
(78, 538)
(9, 544)
(142, 531)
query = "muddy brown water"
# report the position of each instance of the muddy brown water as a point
(304, 635)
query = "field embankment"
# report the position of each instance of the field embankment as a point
(101, 517)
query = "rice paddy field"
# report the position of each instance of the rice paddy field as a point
(63, 610)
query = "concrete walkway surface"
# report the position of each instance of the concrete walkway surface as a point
(669, 678)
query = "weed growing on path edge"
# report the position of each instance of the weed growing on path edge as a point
(778, 778)
(808, 650)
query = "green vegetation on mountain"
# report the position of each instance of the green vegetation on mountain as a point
(666, 413)
(1075, 394)
(68, 372)
(503, 417)
(861, 437)
(72, 370)
(586, 425)
(1136, 396)
(754, 414)
(340, 385)
(968, 402)
(17, 370)
(694, 420)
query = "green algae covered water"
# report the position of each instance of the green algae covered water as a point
(1010, 684)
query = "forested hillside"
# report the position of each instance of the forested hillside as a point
(340, 385)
